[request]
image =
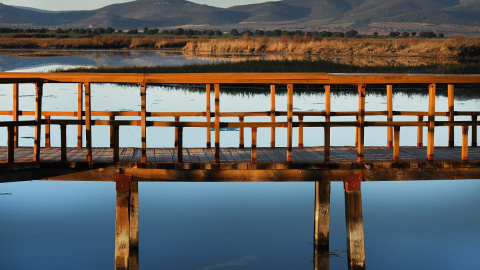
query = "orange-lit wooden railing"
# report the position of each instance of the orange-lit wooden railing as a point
(84, 116)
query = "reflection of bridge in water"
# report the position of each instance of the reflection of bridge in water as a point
(322, 164)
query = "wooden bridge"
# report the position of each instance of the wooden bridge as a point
(392, 162)
(321, 164)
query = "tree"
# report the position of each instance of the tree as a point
(441, 35)
(178, 31)
(405, 34)
(351, 33)
(394, 34)
(218, 33)
(413, 34)
(430, 34)
(235, 33)
(375, 34)
(109, 30)
(145, 30)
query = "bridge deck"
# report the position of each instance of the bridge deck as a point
(236, 155)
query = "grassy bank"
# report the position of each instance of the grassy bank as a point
(378, 47)
(291, 66)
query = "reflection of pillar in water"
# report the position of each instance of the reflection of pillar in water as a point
(322, 225)
(354, 222)
(126, 232)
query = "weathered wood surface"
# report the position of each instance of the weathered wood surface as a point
(239, 155)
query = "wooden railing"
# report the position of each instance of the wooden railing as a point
(84, 111)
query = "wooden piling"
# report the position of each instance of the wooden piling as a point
(361, 122)
(38, 118)
(133, 262)
(326, 153)
(253, 158)
(389, 115)
(289, 121)
(143, 105)
(79, 114)
(208, 115)
(15, 113)
(88, 122)
(451, 115)
(431, 121)
(272, 115)
(321, 241)
(354, 226)
(217, 123)
(122, 225)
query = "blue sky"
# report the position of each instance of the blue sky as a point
(94, 4)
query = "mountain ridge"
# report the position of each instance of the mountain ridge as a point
(287, 14)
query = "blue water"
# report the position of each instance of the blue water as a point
(71, 225)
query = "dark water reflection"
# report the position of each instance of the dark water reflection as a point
(71, 225)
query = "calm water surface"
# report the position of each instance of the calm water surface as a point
(71, 225)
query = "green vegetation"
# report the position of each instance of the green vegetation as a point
(290, 66)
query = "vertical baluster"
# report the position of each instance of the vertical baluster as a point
(300, 132)
(361, 122)
(38, 118)
(254, 146)
(389, 115)
(143, 101)
(88, 121)
(289, 121)
(272, 115)
(11, 144)
(465, 143)
(180, 145)
(80, 114)
(451, 115)
(217, 123)
(326, 154)
(47, 132)
(474, 131)
(420, 132)
(209, 118)
(431, 122)
(63, 142)
(241, 135)
(15, 113)
(396, 145)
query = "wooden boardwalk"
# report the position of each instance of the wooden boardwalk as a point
(238, 155)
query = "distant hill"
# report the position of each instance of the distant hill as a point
(455, 16)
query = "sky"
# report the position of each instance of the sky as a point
(55, 5)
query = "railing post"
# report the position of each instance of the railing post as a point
(322, 217)
(11, 144)
(326, 154)
(272, 115)
(180, 145)
(116, 143)
(254, 146)
(208, 115)
(15, 114)
(143, 97)
(396, 144)
(63, 142)
(241, 133)
(47, 132)
(217, 123)
(474, 131)
(38, 118)
(464, 143)
(420, 132)
(431, 121)
(289, 121)
(361, 122)
(177, 120)
(389, 115)
(112, 120)
(80, 114)
(300, 132)
(122, 221)
(88, 122)
(451, 115)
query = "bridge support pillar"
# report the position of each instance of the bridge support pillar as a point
(322, 225)
(354, 222)
(126, 231)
